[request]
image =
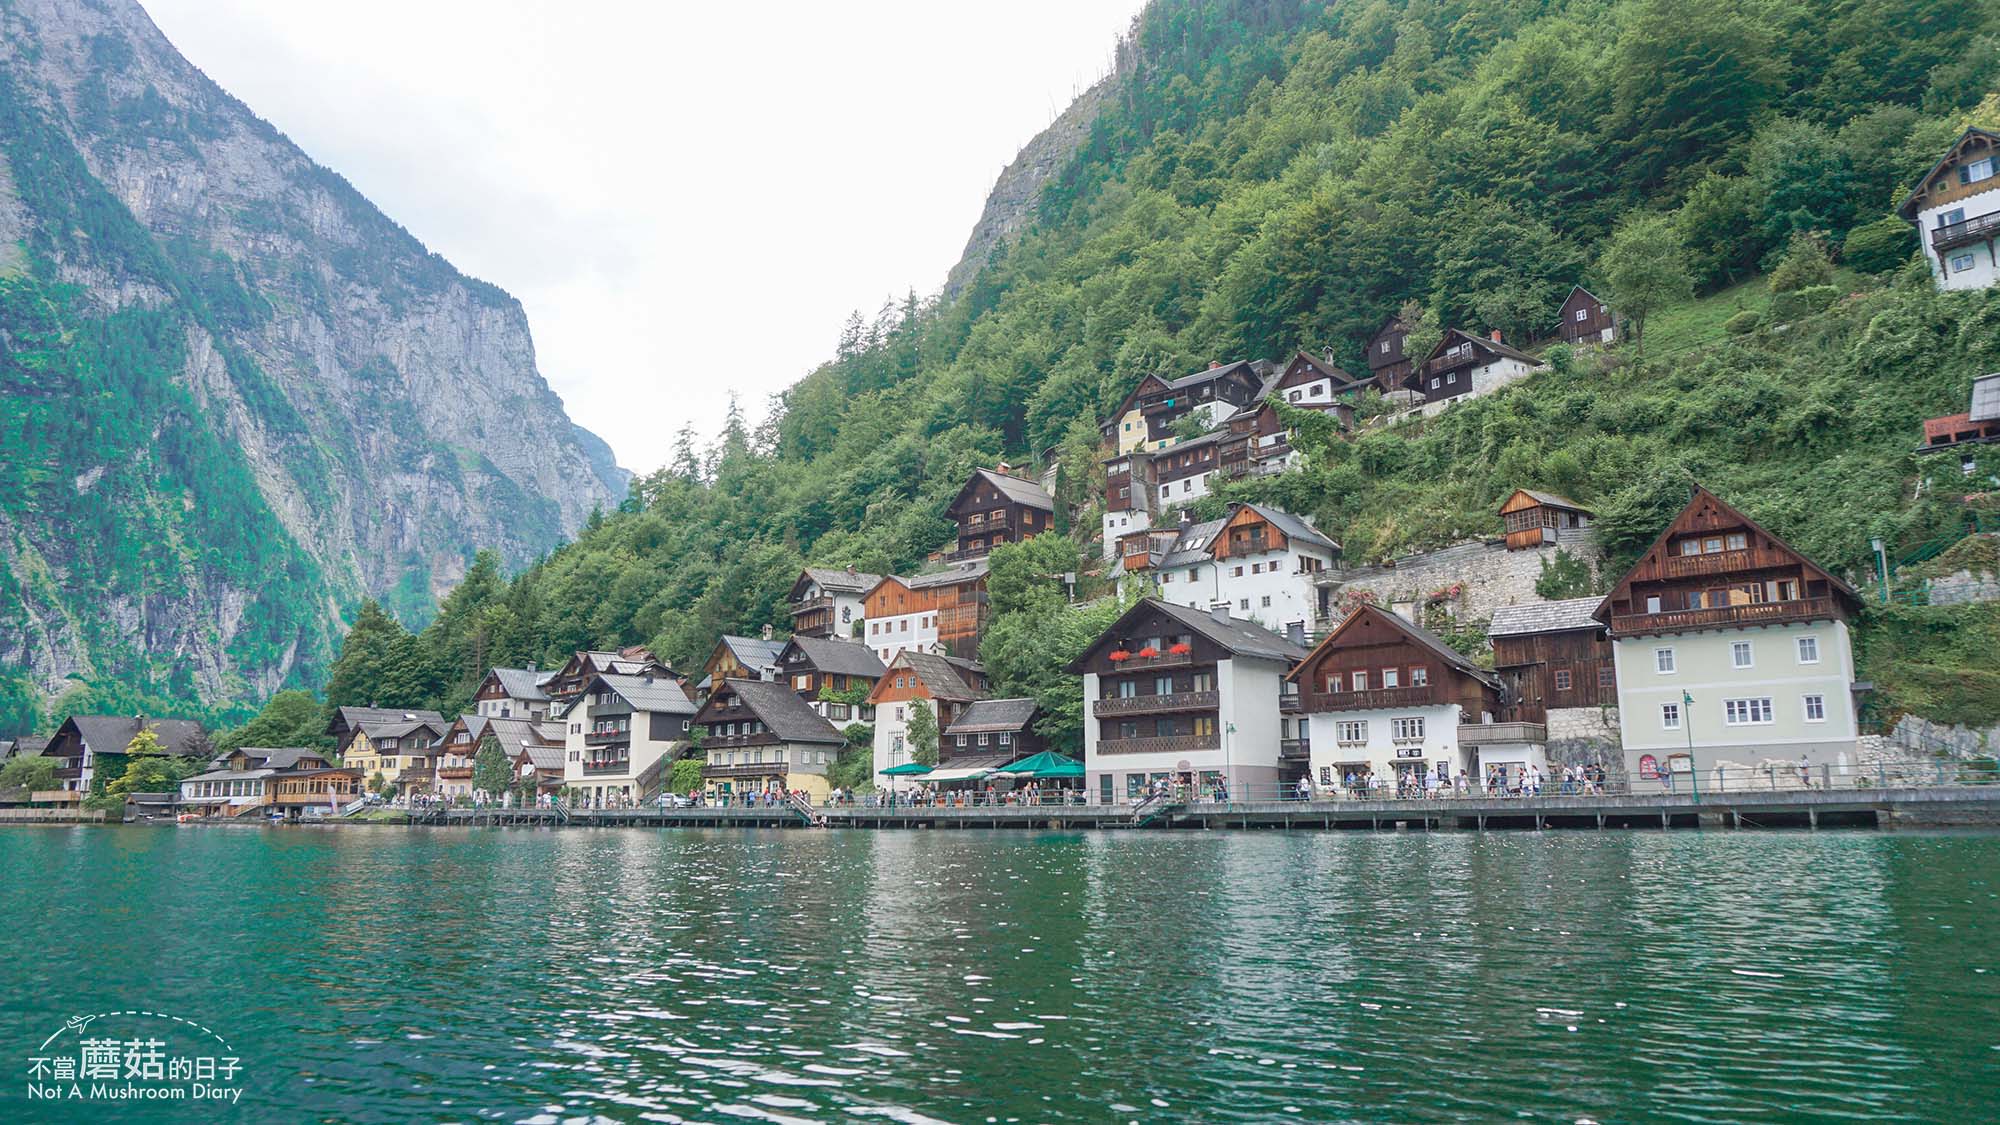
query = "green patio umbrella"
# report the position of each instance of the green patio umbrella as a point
(1047, 764)
(907, 769)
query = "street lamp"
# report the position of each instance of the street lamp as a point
(1687, 721)
(1228, 766)
(1881, 565)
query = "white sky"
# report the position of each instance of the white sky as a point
(687, 198)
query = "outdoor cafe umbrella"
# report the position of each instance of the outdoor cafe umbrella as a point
(907, 769)
(1047, 764)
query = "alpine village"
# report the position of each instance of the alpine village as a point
(1186, 646)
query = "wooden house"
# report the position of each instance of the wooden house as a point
(1125, 428)
(742, 658)
(762, 737)
(830, 602)
(995, 507)
(513, 693)
(941, 611)
(1956, 210)
(1552, 655)
(582, 666)
(1211, 395)
(1002, 729)
(1312, 383)
(819, 667)
(1979, 423)
(83, 744)
(1388, 367)
(1587, 320)
(1538, 519)
(1465, 364)
(944, 684)
(286, 781)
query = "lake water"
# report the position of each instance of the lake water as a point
(388, 974)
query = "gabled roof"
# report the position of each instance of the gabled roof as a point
(545, 757)
(349, 718)
(835, 657)
(1594, 298)
(781, 710)
(1023, 492)
(1700, 496)
(985, 716)
(1530, 618)
(1541, 499)
(1145, 383)
(510, 733)
(1238, 637)
(1212, 374)
(1294, 527)
(1422, 636)
(1390, 325)
(956, 574)
(110, 734)
(1306, 368)
(1905, 208)
(26, 746)
(662, 694)
(938, 674)
(522, 683)
(397, 728)
(834, 580)
(1191, 545)
(276, 757)
(1482, 343)
(754, 653)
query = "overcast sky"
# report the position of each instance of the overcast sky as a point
(688, 199)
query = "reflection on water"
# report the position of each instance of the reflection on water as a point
(934, 976)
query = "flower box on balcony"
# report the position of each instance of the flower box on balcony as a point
(1120, 656)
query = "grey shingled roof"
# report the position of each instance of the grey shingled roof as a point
(1551, 500)
(754, 653)
(1211, 374)
(545, 759)
(1191, 545)
(1529, 618)
(110, 734)
(511, 733)
(839, 658)
(842, 580)
(1240, 637)
(987, 715)
(1294, 527)
(401, 727)
(1019, 491)
(647, 693)
(1986, 398)
(280, 757)
(523, 683)
(938, 674)
(950, 576)
(780, 709)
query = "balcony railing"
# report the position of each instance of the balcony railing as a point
(811, 604)
(455, 773)
(599, 769)
(1135, 662)
(1289, 704)
(1167, 744)
(1488, 734)
(1372, 699)
(1155, 704)
(754, 769)
(1977, 229)
(1445, 363)
(606, 737)
(727, 741)
(1756, 613)
(1724, 562)
(1294, 749)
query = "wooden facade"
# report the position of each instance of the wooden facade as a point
(1537, 519)
(1586, 320)
(994, 508)
(1387, 365)
(1375, 660)
(1235, 385)
(1129, 483)
(1714, 567)
(1947, 183)
(1454, 362)
(1559, 668)
(1168, 701)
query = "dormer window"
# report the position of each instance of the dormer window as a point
(1976, 171)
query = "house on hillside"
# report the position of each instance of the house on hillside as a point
(742, 658)
(1979, 424)
(1552, 656)
(1311, 383)
(945, 684)
(1388, 701)
(1184, 696)
(1538, 519)
(584, 666)
(761, 737)
(1731, 649)
(1126, 430)
(1256, 562)
(939, 611)
(1585, 319)
(1211, 396)
(1388, 368)
(833, 677)
(1183, 474)
(513, 693)
(1956, 210)
(1464, 364)
(458, 751)
(996, 507)
(1129, 492)
(619, 735)
(830, 602)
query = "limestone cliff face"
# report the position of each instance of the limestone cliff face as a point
(387, 408)
(1010, 206)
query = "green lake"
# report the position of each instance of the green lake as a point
(388, 974)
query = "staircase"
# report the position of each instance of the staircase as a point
(804, 807)
(1153, 808)
(652, 780)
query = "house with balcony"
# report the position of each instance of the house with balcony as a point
(944, 684)
(1310, 382)
(1211, 396)
(1956, 210)
(346, 720)
(402, 751)
(1464, 364)
(513, 693)
(741, 658)
(1389, 700)
(1540, 519)
(1187, 696)
(1980, 424)
(1186, 472)
(1584, 319)
(761, 737)
(1129, 492)
(458, 751)
(1257, 562)
(832, 677)
(620, 735)
(990, 732)
(1126, 430)
(286, 781)
(938, 611)
(996, 507)
(1258, 443)
(1388, 368)
(85, 746)
(831, 602)
(583, 666)
(1731, 649)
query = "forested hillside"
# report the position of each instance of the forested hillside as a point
(1265, 176)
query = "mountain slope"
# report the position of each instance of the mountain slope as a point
(236, 396)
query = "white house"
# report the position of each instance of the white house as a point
(1257, 562)
(831, 602)
(514, 693)
(1956, 210)
(942, 683)
(1463, 364)
(617, 730)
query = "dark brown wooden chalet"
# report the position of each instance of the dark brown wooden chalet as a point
(1121, 432)
(1552, 655)
(1537, 519)
(1388, 367)
(1129, 485)
(1586, 319)
(1259, 442)
(1312, 383)
(1449, 371)
(1234, 385)
(1716, 568)
(815, 666)
(995, 507)
(1375, 660)
(1003, 727)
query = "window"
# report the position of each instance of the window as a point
(1419, 677)
(1809, 650)
(1390, 677)
(1606, 678)
(1204, 725)
(1267, 601)
(1815, 708)
(1961, 263)
(1434, 384)
(1236, 572)
(1653, 603)
(1690, 546)
(1360, 681)
(1582, 315)
(1385, 347)
(1976, 171)
(1695, 599)
(1740, 655)
(1194, 573)
(1738, 541)
(1562, 679)
(1333, 683)
(1243, 603)
(1351, 731)
(1407, 730)
(1670, 716)
(1746, 712)
(1663, 659)
(802, 683)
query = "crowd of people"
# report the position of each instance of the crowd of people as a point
(1519, 780)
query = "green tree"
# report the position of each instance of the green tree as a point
(35, 774)
(1880, 246)
(1564, 576)
(1804, 265)
(1423, 330)
(922, 733)
(289, 718)
(378, 664)
(686, 777)
(1645, 268)
(491, 771)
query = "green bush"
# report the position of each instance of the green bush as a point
(1878, 247)
(1743, 323)
(1805, 264)
(1790, 306)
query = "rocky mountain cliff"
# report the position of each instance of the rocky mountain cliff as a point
(234, 396)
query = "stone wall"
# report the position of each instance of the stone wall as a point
(1487, 574)
(1965, 586)
(1586, 736)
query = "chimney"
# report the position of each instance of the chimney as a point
(850, 568)
(767, 632)
(1220, 613)
(1187, 516)
(1496, 336)
(1214, 363)
(531, 667)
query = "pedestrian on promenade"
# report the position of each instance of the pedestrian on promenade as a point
(1805, 771)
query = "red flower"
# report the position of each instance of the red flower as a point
(1119, 656)
(1149, 651)
(1181, 648)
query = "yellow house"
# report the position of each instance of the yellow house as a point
(403, 751)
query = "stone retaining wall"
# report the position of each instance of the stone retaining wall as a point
(1488, 575)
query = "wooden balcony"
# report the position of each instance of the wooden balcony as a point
(1170, 744)
(606, 737)
(731, 741)
(1289, 704)
(1137, 663)
(1979, 228)
(1489, 734)
(755, 769)
(1157, 704)
(1373, 699)
(1294, 750)
(1445, 363)
(1723, 562)
(609, 768)
(1725, 617)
